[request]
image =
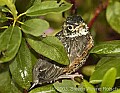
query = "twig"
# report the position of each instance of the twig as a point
(74, 7)
(98, 10)
(25, 91)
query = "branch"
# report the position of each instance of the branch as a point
(74, 7)
(98, 10)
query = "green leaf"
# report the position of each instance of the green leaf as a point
(49, 47)
(89, 87)
(21, 67)
(37, 1)
(109, 47)
(116, 91)
(113, 14)
(3, 2)
(108, 80)
(88, 70)
(4, 9)
(3, 19)
(47, 7)
(10, 5)
(22, 7)
(44, 89)
(6, 83)
(103, 66)
(69, 86)
(35, 27)
(10, 41)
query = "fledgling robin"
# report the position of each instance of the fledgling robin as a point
(77, 42)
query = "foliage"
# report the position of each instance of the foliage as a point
(22, 28)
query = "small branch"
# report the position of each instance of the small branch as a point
(74, 8)
(98, 10)
(25, 91)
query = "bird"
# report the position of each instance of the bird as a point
(77, 41)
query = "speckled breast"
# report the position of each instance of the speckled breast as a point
(77, 41)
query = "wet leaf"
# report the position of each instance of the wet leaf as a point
(44, 89)
(10, 41)
(103, 66)
(21, 67)
(49, 47)
(109, 47)
(47, 7)
(113, 14)
(108, 80)
(35, 27)
(116, 91)
(6, 83)
(89, 87)
(69, 86)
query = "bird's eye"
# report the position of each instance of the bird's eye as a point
(70, 27)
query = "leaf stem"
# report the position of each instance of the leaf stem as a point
(16, 19)
(3, 27)
(21, 15)
(9, 18)
(14, 22)
(12, 8)
(20, 22)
